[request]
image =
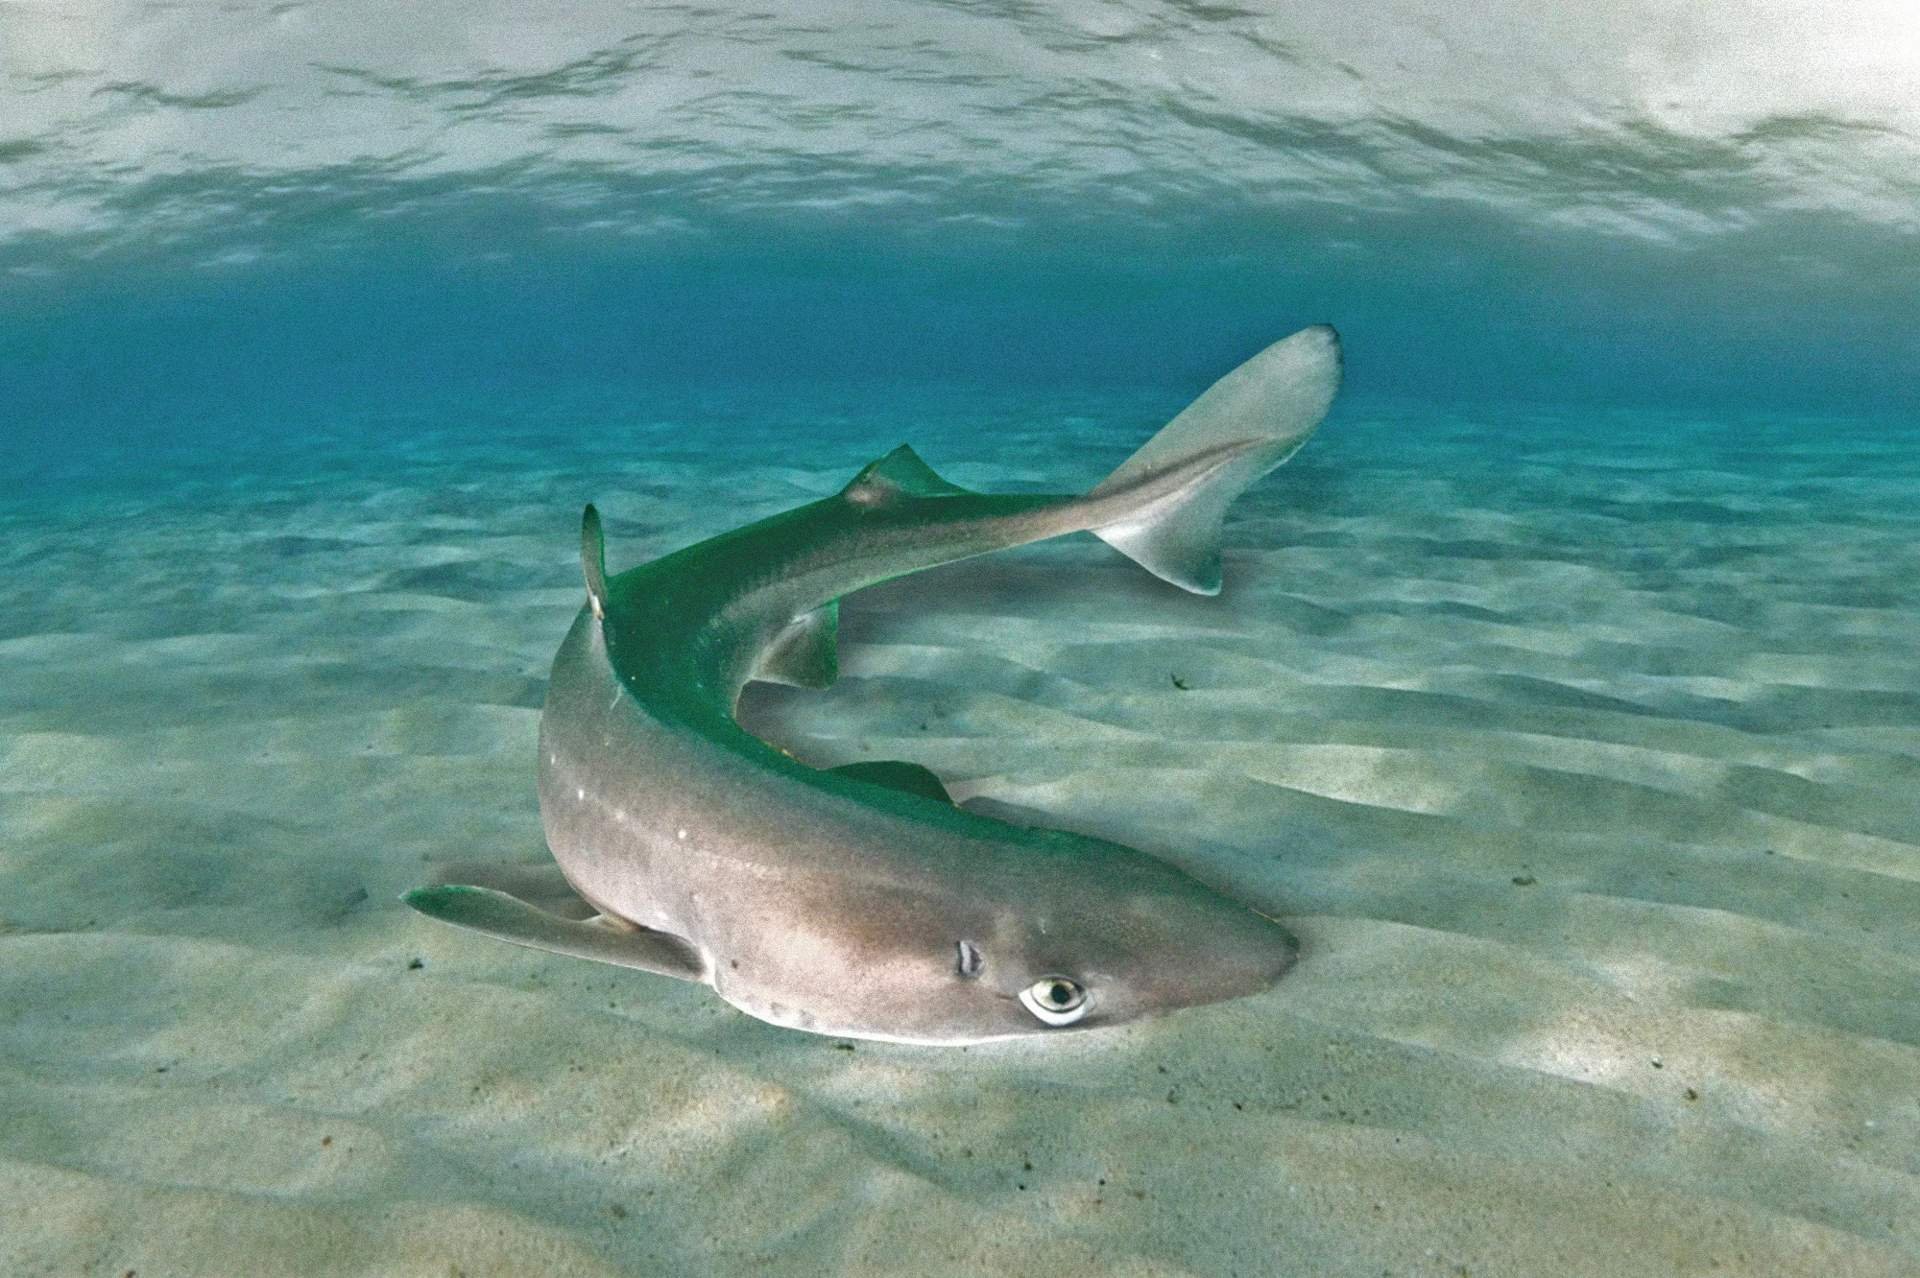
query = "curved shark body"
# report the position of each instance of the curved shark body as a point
(859, 901)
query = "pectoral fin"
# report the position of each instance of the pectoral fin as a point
(898, 775)
(511, 919)
(540, 884)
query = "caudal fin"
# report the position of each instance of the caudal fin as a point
(1252, 419)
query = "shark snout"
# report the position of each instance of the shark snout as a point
(1244, 953)
(1208, 949)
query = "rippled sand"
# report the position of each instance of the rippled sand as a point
(1583, 755)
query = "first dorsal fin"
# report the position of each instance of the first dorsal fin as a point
(593, 560)
(899, 474)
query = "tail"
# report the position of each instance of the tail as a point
(1252, 419)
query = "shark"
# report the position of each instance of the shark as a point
(860, 901)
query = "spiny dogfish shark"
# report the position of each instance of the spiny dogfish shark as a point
(860, 901)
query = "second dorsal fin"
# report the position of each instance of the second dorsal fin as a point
(899, 474)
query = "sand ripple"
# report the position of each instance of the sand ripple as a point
(1586, 771)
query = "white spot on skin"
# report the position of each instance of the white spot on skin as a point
(580, 794)
(681, 834)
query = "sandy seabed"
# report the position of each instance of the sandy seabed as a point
(1583, 754)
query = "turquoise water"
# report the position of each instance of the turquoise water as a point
(1564, 697)
(293, 212)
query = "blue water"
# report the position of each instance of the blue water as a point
(291, 213)
(1562, 697)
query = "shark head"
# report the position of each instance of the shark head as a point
(1120, 952)
(859, 900)
(1110, 935)
(1091, 935)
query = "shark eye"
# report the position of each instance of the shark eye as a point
(968, 960)
(1057, 1000)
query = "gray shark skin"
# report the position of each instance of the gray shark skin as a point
(858, 901)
